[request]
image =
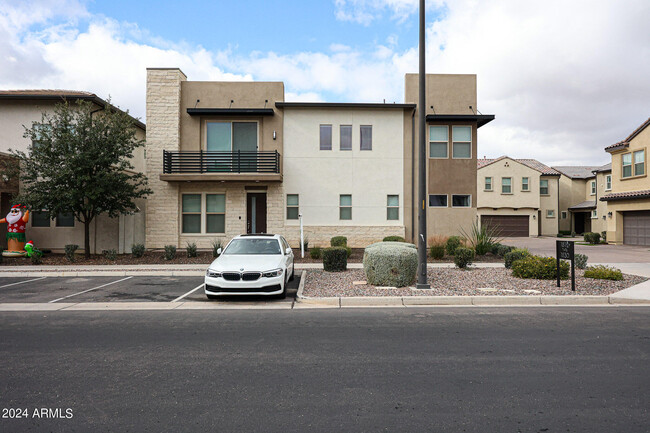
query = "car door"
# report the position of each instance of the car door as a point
(288, 258)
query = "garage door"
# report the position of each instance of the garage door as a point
(508, 225)
(636, 228)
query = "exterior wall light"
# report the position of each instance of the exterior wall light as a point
(274, 136)
(609, 214)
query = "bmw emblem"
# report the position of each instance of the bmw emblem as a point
(241, 269)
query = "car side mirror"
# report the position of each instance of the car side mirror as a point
(288, 251)
(219, 251)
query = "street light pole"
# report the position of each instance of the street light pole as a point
(422, 168)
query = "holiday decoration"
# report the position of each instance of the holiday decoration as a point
(16, 221)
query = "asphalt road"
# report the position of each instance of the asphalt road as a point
(443, 369)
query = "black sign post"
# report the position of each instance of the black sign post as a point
(565, 250)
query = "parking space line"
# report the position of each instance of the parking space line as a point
(88, 290)
(21, 282)
(189, 293)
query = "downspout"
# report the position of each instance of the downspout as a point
(558, 204)
(413, 200)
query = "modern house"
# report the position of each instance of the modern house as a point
(580, 188)
(225, 158)
(20, 109)
(518, 197)
(628, 203)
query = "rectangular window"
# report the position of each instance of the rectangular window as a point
(593, 187)
(326, 137)
(215, 213)
(346, 137)
(594, 214)
(563, 214)
(506, 185)
(438, 141)
(462, 141)
(639, 163)
(392, 212)
(543, 187)
(488, 184)
(345, 207)
(191, 208)
(627, 165)
(550, 213)
(41, 130)
(366, 137)
(40, 219)
(293, 202)
(231, 136)
(437, 200)
(65, 219)
(524, 184)
(461, 200)
(608, 182)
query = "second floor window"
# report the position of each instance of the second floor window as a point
(488, 184)
(524, 184)
(608, 182)
(231, 136)
(593, 187)
(543, 187)
(639, 163)
(438, 141)
(326, 137)
(366, 137)
(462, 141)
(506, 185)
(346, 137)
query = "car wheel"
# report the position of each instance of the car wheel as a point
(212, 296)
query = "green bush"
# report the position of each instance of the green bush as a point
(580, 261)
(539, 268)
(453, 243)
(502, 250)
(482, 238)
(69, 251)
(37, 257)
(592, 238)
(601, 272)
(216, 244)
(514, 255)
(316, 253)
(335, 259)
(137, 250)
(348, 251)
(394, 239)
(437, 251)
(110, 254)
(339, 241)
(191, 249)
(170, 252)
(463, 257)
(391, 264)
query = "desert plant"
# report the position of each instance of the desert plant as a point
(452, 244)
(109, 254)
(137, 250)
(191, 249)
(592, 238)
(37, 257)
(335, 259)
(69, 251)
(463, 257)
(437, 251)
(216, 245)
(170, 252)
(391, 264)
(393, 239)
(437, 240)
(514, 255)
(580, 261)
(482, 237)
(316, 253)
(502, 250)
(601, 272)
(540, 268)
(339, 241)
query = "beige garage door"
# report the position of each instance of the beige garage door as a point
(508, 225)
(636, 228)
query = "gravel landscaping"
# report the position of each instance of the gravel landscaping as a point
(457, 282)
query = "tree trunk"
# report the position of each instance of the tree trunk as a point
(87, 238)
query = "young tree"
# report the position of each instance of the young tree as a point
(80, 163)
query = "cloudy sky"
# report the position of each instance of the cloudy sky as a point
(564, 78)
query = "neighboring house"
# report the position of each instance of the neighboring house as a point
(628, 203)
(225, 158)
(19, 109)
(518, 197)
(580, 187)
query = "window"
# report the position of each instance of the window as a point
(326, 137)
(563, 214)
(627, 165)
(40, 219)
(594, 214)
(392, 212)
(65, 219)
(215, 213)
(40, 129)
(506, 185)
(462, 141)
(346, 137)
(639, 163)
(437, 200)
(608, 182)
(345, 207)
(231, 136)
(438, 141)
(524, 184)
(194, 212)
(191, 213)
(488, 184)
(293, 201)
(550, 213)
(366, 137)
(461, 200)
(543, 187)
(593, 187)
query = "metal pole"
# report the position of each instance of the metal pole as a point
(422, 168)
(302, 239)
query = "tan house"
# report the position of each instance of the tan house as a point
(518, 197)
(22, 108)
(628, 203)
(580, 188)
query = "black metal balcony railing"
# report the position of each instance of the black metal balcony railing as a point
(221, 162)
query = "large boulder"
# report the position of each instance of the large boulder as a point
(391, 264)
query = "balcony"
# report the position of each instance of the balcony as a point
(221, 166)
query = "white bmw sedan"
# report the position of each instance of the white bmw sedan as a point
(257, 264)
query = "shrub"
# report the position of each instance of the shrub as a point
(437, 240)
(464, 257)
(514, 255)
(335, 259)
(394, 239)
(137, 250)
(37, 257)
(601, 272)
(580, 261)
(592, 238)
(565, 232)
(191, 249)
(603, 235)
(305, 244)
(348, 251)
(453, 243)
(540, 268)
(502, 250)
(316, 253)
(216, 244)
(339, 241)
(391, 264)
(170, 252)
(482, 238)
(109, 254)
(437, 251)
(69, 251)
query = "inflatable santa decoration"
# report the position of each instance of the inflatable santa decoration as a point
(16, 221)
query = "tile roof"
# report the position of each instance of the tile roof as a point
(45, 92)
(629, 195)
(531, 163)
(606, 167)
(577, 171)
(626, 142)
(589, 204)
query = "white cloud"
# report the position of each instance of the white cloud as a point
(366, 11)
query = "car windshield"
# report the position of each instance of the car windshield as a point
(253, 246)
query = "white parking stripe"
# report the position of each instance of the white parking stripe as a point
(94, 288)
(188, 293)
(21, 282)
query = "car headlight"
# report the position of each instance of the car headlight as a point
(273, 273)
(212, 274)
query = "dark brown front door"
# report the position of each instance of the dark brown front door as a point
(5, 206)
(256, 212)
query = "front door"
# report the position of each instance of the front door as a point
(256, 212)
